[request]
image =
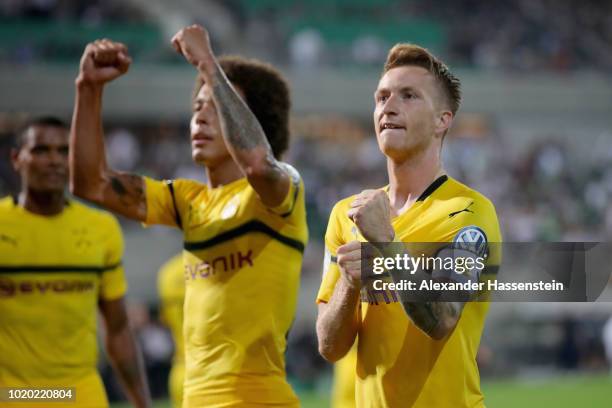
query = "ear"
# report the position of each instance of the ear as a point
(443, 122)
(15, 159)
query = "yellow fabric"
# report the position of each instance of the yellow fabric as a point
(343, 389)
(53, 271)
(242, 265)
(171, 287)
(398, 365)
(175, 384)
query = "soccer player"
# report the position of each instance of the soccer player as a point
(171, 288)
(244, 231)
(410, 354)
(60, 264)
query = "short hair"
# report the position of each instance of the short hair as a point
(267, 95)
(51, 121)
(403, 54)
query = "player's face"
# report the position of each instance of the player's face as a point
(42, 161)
(207, 144)
(405, 113)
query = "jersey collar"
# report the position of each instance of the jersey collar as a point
(429, 190)
(433, 187)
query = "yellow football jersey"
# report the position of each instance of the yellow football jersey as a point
(171, 286)
(343, 389)
(397, 364)
(53, 271)
(242, 265)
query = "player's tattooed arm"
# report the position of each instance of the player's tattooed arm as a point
(90, 177)
(125, 194)
(436, 319)
(371, 213)
(247, 143)
(242, 132)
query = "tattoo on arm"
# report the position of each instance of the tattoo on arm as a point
(434, 318)
(247, 143)
(128, 187)
(428, 315)
(240, 125)
(118, 186)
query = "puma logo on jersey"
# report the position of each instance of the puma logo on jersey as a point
(9, 240)
(466, 209)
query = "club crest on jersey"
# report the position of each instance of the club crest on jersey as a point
(472, 239)
(230, 208)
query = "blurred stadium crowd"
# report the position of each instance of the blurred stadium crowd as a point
(544, 190)
(514, 35)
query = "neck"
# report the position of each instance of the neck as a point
(409, 178)
(42, 203)
(223, 174)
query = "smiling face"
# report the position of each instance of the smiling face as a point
(409, 115)
(42, 159)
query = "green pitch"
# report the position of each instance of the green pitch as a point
(564, 392)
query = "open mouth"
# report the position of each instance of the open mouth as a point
(390, 126)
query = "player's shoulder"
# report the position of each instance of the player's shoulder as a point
(171, 265)
(8, 208)
(186, 187)
(475, 212)
(86, 213)
(343, 205)
(7, 203)
(456, 189)
(179, 187)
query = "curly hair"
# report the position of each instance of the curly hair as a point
(267, 95)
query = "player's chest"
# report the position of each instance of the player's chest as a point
(36, 243)
(410, 227)
(221, 214)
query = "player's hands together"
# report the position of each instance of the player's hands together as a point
(349, 261)
(102, 61)
(193, 43)
(371, 213)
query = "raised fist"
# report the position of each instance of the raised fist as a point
(371, 213)
(193, 43)
(103, 61)
(349, 262)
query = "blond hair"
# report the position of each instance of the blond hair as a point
(413, 55)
